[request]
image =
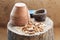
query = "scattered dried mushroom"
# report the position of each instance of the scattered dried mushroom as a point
(31, 28)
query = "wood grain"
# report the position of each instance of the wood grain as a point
(5, 9)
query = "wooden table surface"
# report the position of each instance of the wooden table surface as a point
(3, 33)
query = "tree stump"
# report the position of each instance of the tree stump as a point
(48, 34)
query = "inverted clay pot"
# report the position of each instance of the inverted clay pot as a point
(19, 15)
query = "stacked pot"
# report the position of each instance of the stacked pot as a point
(19, 15)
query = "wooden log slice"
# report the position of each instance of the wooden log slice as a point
(46, 35)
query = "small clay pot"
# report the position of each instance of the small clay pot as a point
(40, 15)
(19, 15)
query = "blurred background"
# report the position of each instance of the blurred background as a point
(52, 6)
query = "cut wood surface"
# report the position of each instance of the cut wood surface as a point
(47, 35)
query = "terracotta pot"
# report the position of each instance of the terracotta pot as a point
(19, 15)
